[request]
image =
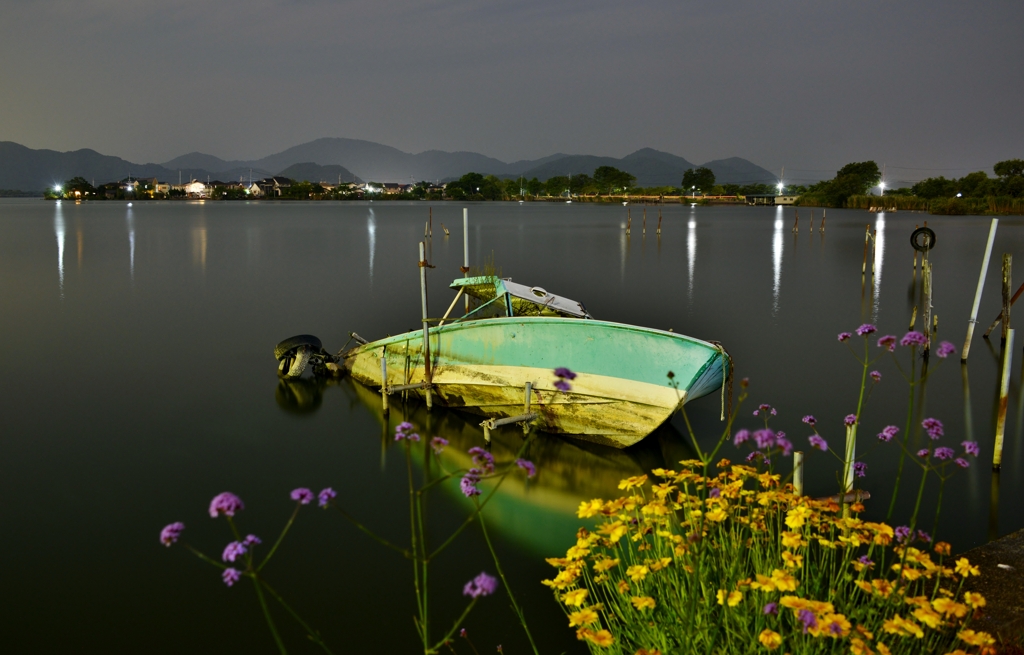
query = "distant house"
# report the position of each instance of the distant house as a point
(770, 199)
(271, 186)
(195, 189)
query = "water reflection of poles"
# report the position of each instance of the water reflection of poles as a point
(969, 424)
(993, 507)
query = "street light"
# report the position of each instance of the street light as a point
(780, 187)
(881, 188)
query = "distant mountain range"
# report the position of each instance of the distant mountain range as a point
(351, 160)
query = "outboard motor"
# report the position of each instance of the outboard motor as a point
(295, 353)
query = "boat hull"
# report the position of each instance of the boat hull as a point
(622, 391)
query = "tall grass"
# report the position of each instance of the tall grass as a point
(944, 206)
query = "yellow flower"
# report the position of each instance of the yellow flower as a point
(792, 539)
(614, 530)
(883, 533)
(839, 620)
(576, 552)
(882, 587)
(637, 572)
(882, 649)
(562, 580)
(964, 568)
(583, 617)
(784, 581)
(657, 565)
(588, 509)
(601, 638)
(642, 602)
(605, 564)
(858, 647)
(976, 638)
(898, 625)
(575, 597)
(974, 600)
(763, 582)
(792, 561)
(950, 607)
(733, 598)
(635, 481)
(907, 572)
(942, 548)
(796, 517)
(928, 616)
(717, 515)
(557, 561)
(623, 586)
(770, 639)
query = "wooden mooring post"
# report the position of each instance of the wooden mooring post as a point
(1007, 277)
(645, 222)
(384, 381)
(659, 221)
(926, 305)
(629, 220)
(822, 228)
(796, 220)
(867, 236)
(798, 473)
(977, 294)
(465, 249)
(426, 326)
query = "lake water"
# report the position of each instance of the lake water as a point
(140, 383)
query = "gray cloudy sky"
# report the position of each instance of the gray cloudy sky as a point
(922, 86)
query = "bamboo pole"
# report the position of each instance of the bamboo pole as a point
(426, 326)
(977, 294)
(874, 248)
(850, 457)
(926, 305)
(798, 473)
(867, 236)
(1007, 277)
(913, 318)
(1004, 389)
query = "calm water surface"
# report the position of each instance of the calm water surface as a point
(140, 382)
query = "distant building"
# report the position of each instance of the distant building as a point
(770, 199)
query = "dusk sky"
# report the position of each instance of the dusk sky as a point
(926, 87)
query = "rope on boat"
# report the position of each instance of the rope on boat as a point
(726, 378)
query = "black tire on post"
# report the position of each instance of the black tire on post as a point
(292, 343)
(923, 244)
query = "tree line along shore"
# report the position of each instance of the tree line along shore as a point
(852, 187)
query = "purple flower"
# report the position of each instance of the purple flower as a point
(843, 336)
(945, 349)
(888, 433)
(835, 628)
(438, 444)
(562, 385)
(251, 540)
(961, 462)
(876, 376)
(785, 444)
(752, 456)
(232, 551)
(818, 442)
(888, 341)
(866, 329)
(226, 503)
(860, 469)
(902, 533)
(971, 448)
(923, 452)
(715, 492)
(326, 495)
(481, 585)
(303, 495)
(767, 409)
(171, 532)
(851, 419)
(810, 420)
(468, 483)
(740, 437)
(527, 466)
(944, 453)
(482, 459)
(933, 426)
(865, 560)
(403, 431)
(230, 576)
(913, 338)
(771, 608)
(808, 619)
(562, 372)
(765, 438)
(924, 536)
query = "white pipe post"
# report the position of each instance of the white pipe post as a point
(981, 287)
(426, 327)
(798, 473)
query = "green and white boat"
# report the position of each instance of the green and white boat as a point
(498, 361)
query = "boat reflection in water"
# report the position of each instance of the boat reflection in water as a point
(302, 395)
(539, 513)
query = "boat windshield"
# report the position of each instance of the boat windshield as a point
(516, 299)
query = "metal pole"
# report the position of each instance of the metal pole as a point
(981, 287)
(426, 327)
(926, 304)
(384, 380)
(465, 248)
(798, 473)
(1004, 389)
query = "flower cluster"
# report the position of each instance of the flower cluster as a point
(481, 585)
(782, 568)
(563, 376)
(404, 432)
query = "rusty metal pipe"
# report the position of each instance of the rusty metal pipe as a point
(1004, 390)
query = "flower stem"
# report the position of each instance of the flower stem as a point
(313, 635)
(273, 549)
(508, 590)
(266, 615)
